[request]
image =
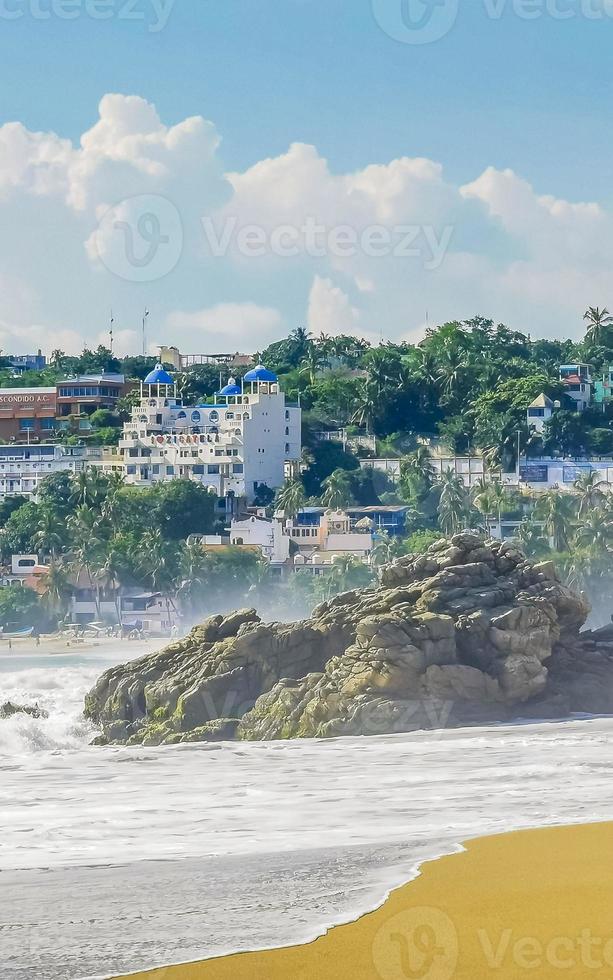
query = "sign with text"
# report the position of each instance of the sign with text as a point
(534, 474)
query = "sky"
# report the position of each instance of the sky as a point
(242, 167)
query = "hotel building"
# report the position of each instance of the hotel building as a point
(22, 468)
(239, 442)
(27, 413)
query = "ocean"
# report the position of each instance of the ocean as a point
(118, 859)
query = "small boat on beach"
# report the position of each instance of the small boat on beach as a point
(16, 634)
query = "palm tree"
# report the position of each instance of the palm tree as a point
(599, 320)
(483, 500)
(87, 546)
(195, 574)
(159, 566)
(556, 511)
(311, 363)
(291, 498)
(417, 473)
(589, 491)
(500, 500)
(337, 493)
(58, 589)
(50, 533)
(57, 358)
(450, 373)
(593, 532)
(110, 568)
(89, 488)
(386, 549)
(453, 503)
(365, 406)
(111, 509)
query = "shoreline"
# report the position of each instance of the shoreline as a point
(57, 646)
(529, 902)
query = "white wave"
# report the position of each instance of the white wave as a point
(248, 816)
(58, 685)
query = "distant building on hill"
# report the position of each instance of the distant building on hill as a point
(577, 381)
(81, 397)
(240, 442)
(22, 468)
(540, 411)
(603, 389)
(27, 362)
(181, 362)
(27, 414)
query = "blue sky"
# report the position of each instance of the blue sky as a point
(530, 95)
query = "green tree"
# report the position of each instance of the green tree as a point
(181, 508)
(453, 503)
(21, 608)
(337, 490)
(50, 534)
(555, 509)
(598, 323)
(589, 490)
(291, 498)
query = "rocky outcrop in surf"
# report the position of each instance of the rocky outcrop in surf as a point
(9, 709)
(469, 633)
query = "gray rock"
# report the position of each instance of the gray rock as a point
(469, 633)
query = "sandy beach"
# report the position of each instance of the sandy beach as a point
(58, 645)
(532, 903)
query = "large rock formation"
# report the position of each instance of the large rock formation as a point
(471, 632)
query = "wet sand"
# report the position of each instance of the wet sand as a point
(62, 645)
(534, 903)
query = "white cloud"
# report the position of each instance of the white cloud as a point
(330, 310)
(515, 253)
(225, 328)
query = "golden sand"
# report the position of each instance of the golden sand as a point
(533, 904)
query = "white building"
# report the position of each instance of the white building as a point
(241, 441)
(547, 473)
(22, 468)
(335, 534)
(540, 411)
(577, 381)
(470, 469)
(268, 536)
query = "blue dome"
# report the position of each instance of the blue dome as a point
(159, 377)
(260, 373)
(231, 390)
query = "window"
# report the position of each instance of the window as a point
(131, 470)
(213, 469)
(26, 424)
(238, 468)
(47, 424)
(170, 470)
(198, 470)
